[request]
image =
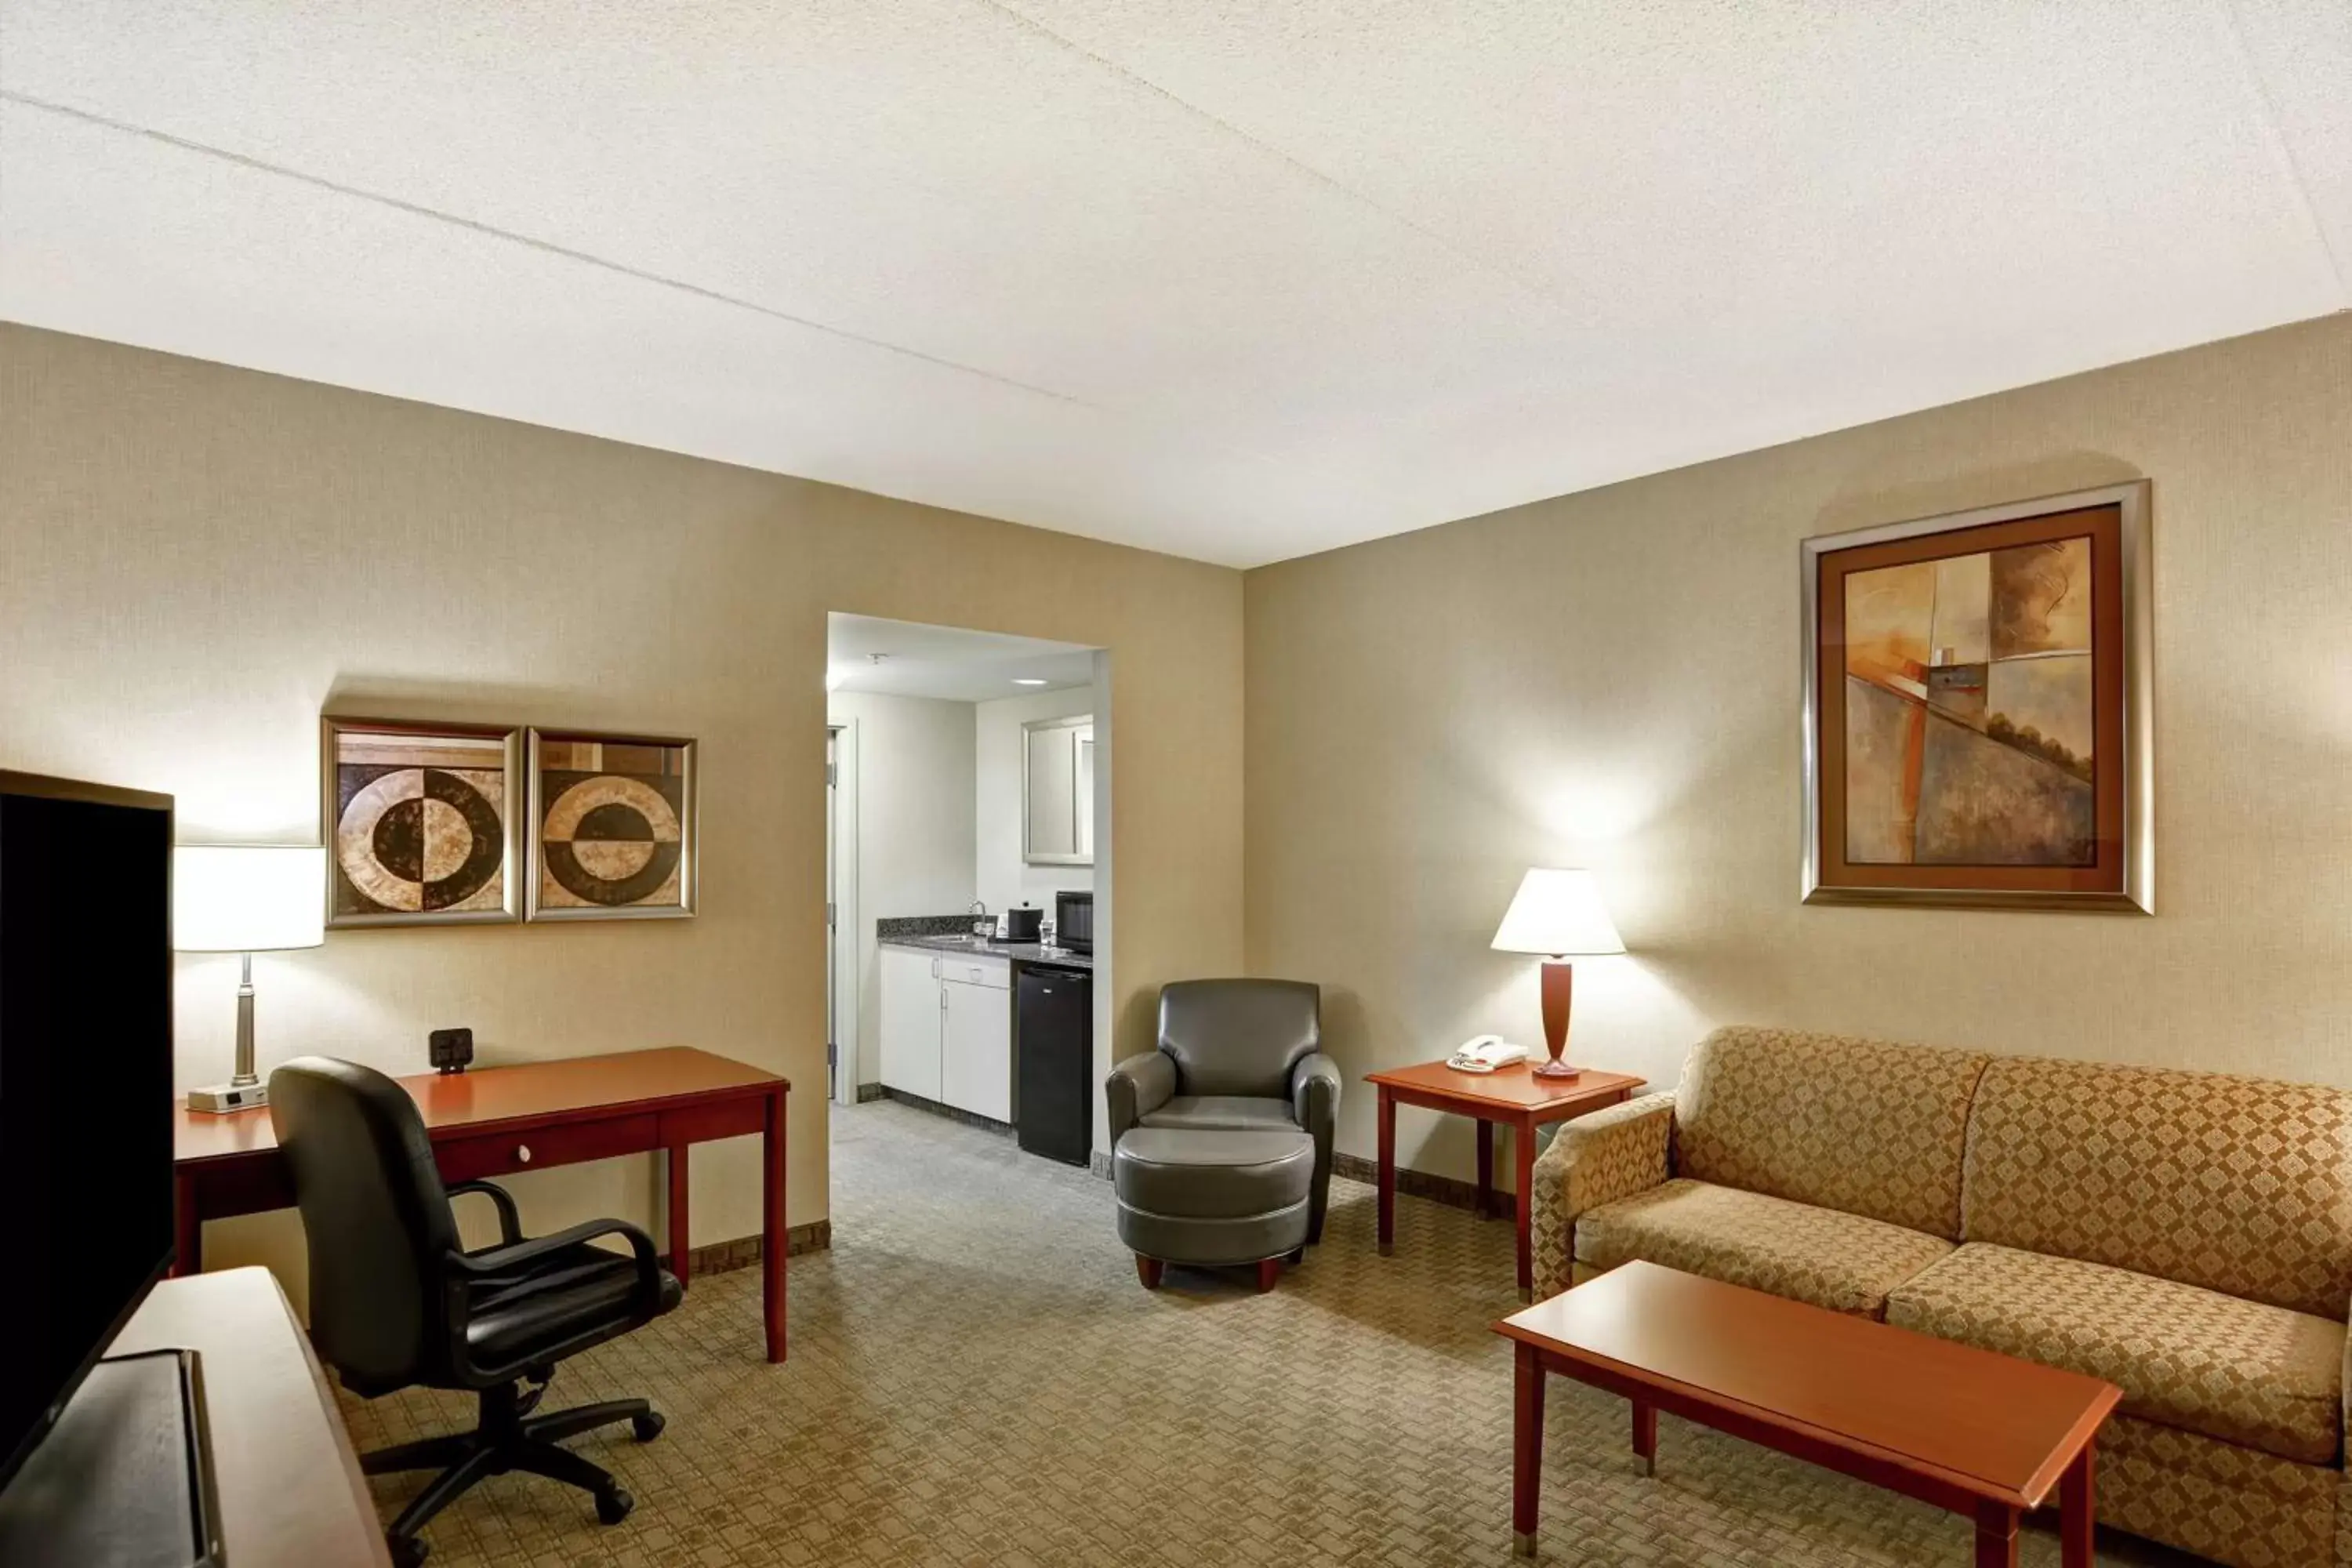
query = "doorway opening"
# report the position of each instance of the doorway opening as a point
(969, 785)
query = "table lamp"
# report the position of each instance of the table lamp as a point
(245, 899)
(1558, 914)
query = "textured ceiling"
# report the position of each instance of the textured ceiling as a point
(1235, 281)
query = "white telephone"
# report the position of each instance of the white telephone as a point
(1484, 1053)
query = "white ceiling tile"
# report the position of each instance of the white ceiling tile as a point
(1235, 281)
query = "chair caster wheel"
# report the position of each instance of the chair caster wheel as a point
(408, 1553)
(612, 1505)
(647, 1426)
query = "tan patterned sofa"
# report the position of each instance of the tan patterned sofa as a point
(2185, 1235)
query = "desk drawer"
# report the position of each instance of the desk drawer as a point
(463, 1159)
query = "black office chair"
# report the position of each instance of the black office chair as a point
(396, 1302)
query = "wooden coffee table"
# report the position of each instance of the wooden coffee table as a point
(1983, 1435)
(1511, 1097)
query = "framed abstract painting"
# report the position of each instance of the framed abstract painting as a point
(420, 818)
(612, 826)
(1977, 708)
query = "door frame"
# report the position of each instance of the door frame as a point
(845, 953)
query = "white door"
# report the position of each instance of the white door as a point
(976, 1048)
(909, 1027)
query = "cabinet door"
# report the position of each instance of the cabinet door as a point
(976, 1049)
(910, 1023)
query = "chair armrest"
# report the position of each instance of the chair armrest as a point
(492, 1260)
(510, 1218)
(1137, 1087)
(1315, 1095)
(1595, 1160)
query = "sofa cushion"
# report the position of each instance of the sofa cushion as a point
(1859, 1125)
(1841, 1261)
(1225, 1113)
(2242, 1185)
(2229, 1368)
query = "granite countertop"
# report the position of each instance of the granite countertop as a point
(923, 933)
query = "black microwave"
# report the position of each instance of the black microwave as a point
(1074, 921)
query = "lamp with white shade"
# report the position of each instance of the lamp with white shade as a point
(245, 899)
(1558, 914)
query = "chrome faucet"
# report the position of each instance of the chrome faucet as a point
(979, 922)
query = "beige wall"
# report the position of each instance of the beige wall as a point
(1612, 678)
(195, 559)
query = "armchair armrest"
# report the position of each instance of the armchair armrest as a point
(1137, 1087)
(510, 1218)
(1315, 1095)
(1595, 1160)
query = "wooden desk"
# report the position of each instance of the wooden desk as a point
(1512, 1097)
(288, 1484)
(1985, 1436)
(494, 1121)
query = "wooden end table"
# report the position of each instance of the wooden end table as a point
(1983, 1435)
(1510, 1097)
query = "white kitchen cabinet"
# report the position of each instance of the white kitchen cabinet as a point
(976, 1045)
(910, 1022)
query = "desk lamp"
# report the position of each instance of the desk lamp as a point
(1558, 914)
(245, 899)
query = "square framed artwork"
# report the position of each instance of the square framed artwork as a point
(612, 826)
(1976, 708)
(421, 823)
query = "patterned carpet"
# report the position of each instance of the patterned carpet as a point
(977, 1378)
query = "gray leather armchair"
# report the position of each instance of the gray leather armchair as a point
(1236, 1056)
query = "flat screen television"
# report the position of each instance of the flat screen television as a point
(86, 1114)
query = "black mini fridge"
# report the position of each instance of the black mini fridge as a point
(1054, 1040)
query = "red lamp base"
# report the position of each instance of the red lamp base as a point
(1558, 978)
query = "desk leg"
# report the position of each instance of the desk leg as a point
(772, 1229)
(1645, 1436)
(1388, 1171)
(679, 1230)
(1526, 1448)
(2076, 1520)
(1996, 1536)
(1486, 1169)
(187, 1227)
(1523, 1160)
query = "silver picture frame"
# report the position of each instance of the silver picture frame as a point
(536, 907)
(342, 874)
(2137, 893)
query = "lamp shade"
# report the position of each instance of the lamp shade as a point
(1560, 913)
(247, 897)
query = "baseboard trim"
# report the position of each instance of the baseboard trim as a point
(745, 1251)
(968, 1117)
(867, 1093)
(1451, 1191)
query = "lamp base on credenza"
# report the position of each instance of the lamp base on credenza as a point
(1555, 1070)
(223, 1098)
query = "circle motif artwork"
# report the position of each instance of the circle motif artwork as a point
(420, 840)
(611, 841)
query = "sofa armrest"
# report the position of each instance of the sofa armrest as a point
(1595, 1160)
(1136, 1088)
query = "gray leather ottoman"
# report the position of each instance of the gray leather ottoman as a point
(1213, 1198)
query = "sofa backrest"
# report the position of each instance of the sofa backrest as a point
(2237, 1185)
(1864, 1126)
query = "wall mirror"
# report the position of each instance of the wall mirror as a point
(1057, 791)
